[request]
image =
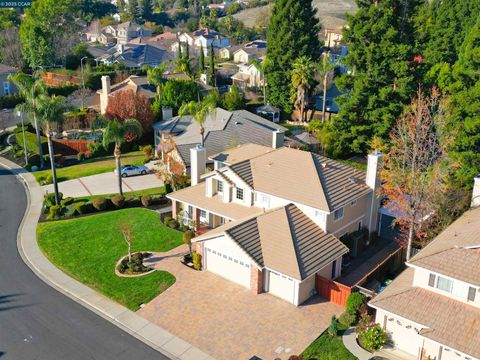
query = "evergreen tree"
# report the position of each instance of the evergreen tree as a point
(212, 66)
(201, 61)
(145, 9)
(464, 117)
(380, 55)
(292, 33)
(132, 9)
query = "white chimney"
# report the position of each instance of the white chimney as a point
(106, 89)
(167, 113)
(374, 165)
(198, 163)
(476, 192)
(121, 48)
(277, 139)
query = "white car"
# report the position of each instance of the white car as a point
(131, 170)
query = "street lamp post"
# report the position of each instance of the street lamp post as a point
(20, 114)
(83, 81)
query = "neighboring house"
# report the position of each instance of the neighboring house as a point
(223, 130)
(203, 38)
(134, 56)
(226, 53)
(6, 86)
(248, 77)
(277, 215)
(137, 84)
(432, 310)
(129, 30)
(96, 34)
(255, 50)
(306, 140)
(333, 38)
(221, 6)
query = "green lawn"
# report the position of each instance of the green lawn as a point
(326, 347)
(93, 166)
(31, 141)
(88, 249)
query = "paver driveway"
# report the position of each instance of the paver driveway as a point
(230, 322)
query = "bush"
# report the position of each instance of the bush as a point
(373, 338)
(81, 207)
(81, 156)
(347, 319)
(354, 301)
(146, 200)
(100, 203)
(118, 200)
(55, 212)
(187, 239)
(168, 188)
(173, 224)
(67, 201)
(148, 150)
(45, 180)
(96, 149)
(166, 220)
(333, 327)
(50, 199)
(122, 266)
(10, 101)
(197, 261)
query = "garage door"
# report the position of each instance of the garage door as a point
(281, 286)
(228, 267)
(403, 335)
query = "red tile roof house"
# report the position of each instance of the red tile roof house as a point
(432, 310)
(275, 215)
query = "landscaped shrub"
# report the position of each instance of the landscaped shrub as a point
(168, 188)
(166, 220)
(55, 212)
(135, 265)
(347, 319)
(10, 101)
(333, 327)
(187, 239)
(50, 199)
(173, 224)
(146, 200)
(81, 207)
(96, 149)
(45, 179)
(354, 301)
(81, 156)
(118, 200)
(197, 261)
(148, 150)
(372, 338)
(67, 201)
(100, 203)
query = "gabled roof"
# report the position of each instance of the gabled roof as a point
(455, 252)
(206, 33)
(135, 55)
(440, 318)
(138, 84)
(283, 240)
(241, 153)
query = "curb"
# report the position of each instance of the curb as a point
(127, 320)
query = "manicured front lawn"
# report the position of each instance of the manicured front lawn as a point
(92, 166)
(326, 347)
(88, 249)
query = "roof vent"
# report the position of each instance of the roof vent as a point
(324, 165)
(353, 179)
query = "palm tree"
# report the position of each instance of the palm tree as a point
(51, 110)
(199, 111)
(156, 77)
(117, 132)
(326, 66)
(30, 87)
(303, 73)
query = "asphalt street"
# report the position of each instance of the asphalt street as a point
(36, 321)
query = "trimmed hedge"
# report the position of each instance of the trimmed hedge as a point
(118, 200)
(100, 203)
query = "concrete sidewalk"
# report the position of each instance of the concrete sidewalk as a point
(101, 184)
(149, 333)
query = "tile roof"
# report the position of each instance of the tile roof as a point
(135, 55)
(444, 320)
(283, 239)
(137, 84)
(241, 153)
(451, 253)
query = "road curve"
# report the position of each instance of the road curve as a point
(36, 321)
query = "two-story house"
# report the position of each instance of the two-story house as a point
(204, 39)
(276, 216)
(129, 30)
(432, 310)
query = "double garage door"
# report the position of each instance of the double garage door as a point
(226, 266)
(281, 286)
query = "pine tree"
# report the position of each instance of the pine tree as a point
(292, 33)
(212, 66)
(380, 55)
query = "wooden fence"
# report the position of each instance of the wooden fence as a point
(55, 79)
(68, 147)
(332, 290)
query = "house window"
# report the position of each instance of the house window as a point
(6, 88)
(444, 284)
(471, 293)
(338, 214)
(220, 186)
(203, 214)
(239, 194)
(353, 203)
(431, 280)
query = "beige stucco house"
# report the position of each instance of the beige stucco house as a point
(272, 219)
(432, 310)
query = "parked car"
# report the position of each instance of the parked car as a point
(131, 170)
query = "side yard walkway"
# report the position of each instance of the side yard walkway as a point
(151, 334)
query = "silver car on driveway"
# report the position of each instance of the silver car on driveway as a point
(132, 170)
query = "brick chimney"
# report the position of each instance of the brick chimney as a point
(374, 164)
(476, 192)
(198, 163)
(106, 90)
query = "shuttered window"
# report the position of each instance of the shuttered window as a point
(471, 293)
(431, 280)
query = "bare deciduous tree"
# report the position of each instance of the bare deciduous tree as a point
(126, 230)
(11, 49)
